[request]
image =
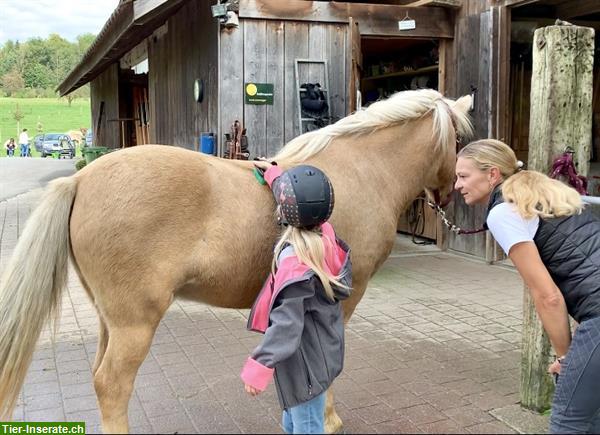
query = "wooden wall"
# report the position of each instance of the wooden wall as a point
(264, 51)
(185, 52)
(104, 90)
(472, 52)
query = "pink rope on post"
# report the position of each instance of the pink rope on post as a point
(565, 166)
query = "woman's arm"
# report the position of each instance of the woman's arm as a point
(549, 301)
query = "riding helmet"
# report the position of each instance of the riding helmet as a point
(304, 195)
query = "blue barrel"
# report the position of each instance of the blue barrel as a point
(207, 143)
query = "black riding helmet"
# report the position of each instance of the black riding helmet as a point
(304, 195)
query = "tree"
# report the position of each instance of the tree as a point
(17, 116)
(37, 76)
(41, 63)
(12, 82)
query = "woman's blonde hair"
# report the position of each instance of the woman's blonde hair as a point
(310, 250)
(536, 194)
(491, 153)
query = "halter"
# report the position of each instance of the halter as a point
(438, 205)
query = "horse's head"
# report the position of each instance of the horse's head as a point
(451, 123)
(433, 137)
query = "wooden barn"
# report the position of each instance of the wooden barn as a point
(169, 71)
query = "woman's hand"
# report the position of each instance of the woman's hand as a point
(554, 368)
(252, 391)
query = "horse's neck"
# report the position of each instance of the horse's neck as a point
(387, 168)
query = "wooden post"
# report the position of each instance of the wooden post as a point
(561, 115)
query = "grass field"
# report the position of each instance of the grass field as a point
(54, 115)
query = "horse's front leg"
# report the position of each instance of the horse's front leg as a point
(333, 422)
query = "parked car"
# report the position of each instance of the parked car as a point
(56, 142)
(37, 142)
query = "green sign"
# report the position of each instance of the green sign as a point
(258, 93)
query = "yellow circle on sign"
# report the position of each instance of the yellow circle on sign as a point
(251, 89)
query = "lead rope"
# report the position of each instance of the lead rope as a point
(453, 228)
(437, 207)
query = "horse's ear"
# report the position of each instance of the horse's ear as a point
(463, 104)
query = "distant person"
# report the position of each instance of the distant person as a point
(10, 146)
(24, 143)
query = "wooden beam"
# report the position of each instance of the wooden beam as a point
(561, 114)
(513, 3)
(455, 4)
(144, 7)
(147, 10)
(375, 20)
(576, 9)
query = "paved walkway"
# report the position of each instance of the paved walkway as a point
(432, 347)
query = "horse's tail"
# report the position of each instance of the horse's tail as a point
(31, 287)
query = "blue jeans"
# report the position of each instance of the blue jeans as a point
(24, 149)
(576, 404)
(308, 417)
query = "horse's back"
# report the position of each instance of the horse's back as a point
(163, 213)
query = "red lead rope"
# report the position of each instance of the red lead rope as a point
(564, 166)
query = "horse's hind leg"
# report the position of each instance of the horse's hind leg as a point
(114, 378)
(102, 344)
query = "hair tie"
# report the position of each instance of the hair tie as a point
(519, 165)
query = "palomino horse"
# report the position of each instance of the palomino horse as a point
(148, 224)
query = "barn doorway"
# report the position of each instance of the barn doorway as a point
(390, 65)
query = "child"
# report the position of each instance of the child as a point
(299, 308)
(10, 147)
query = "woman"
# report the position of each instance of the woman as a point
(299, 309)
(555, 245)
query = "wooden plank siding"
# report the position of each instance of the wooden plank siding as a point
(104, 91)
(186, 52)
(472, 50)
(375, 20)
(255, 70)
(230, 81)
(265, 51)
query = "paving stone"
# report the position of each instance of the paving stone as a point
(422, 414)
(495, 427)
(401, 399)
(377, 414)
(77, 390)
(400, 425)
(442, 426)
(84, 403)
(49, 414)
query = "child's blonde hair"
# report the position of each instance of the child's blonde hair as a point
(536, 194)
(310, 250)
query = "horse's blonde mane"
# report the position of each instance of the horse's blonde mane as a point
(402, 106)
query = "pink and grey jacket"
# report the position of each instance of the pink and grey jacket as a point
(303, 345)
